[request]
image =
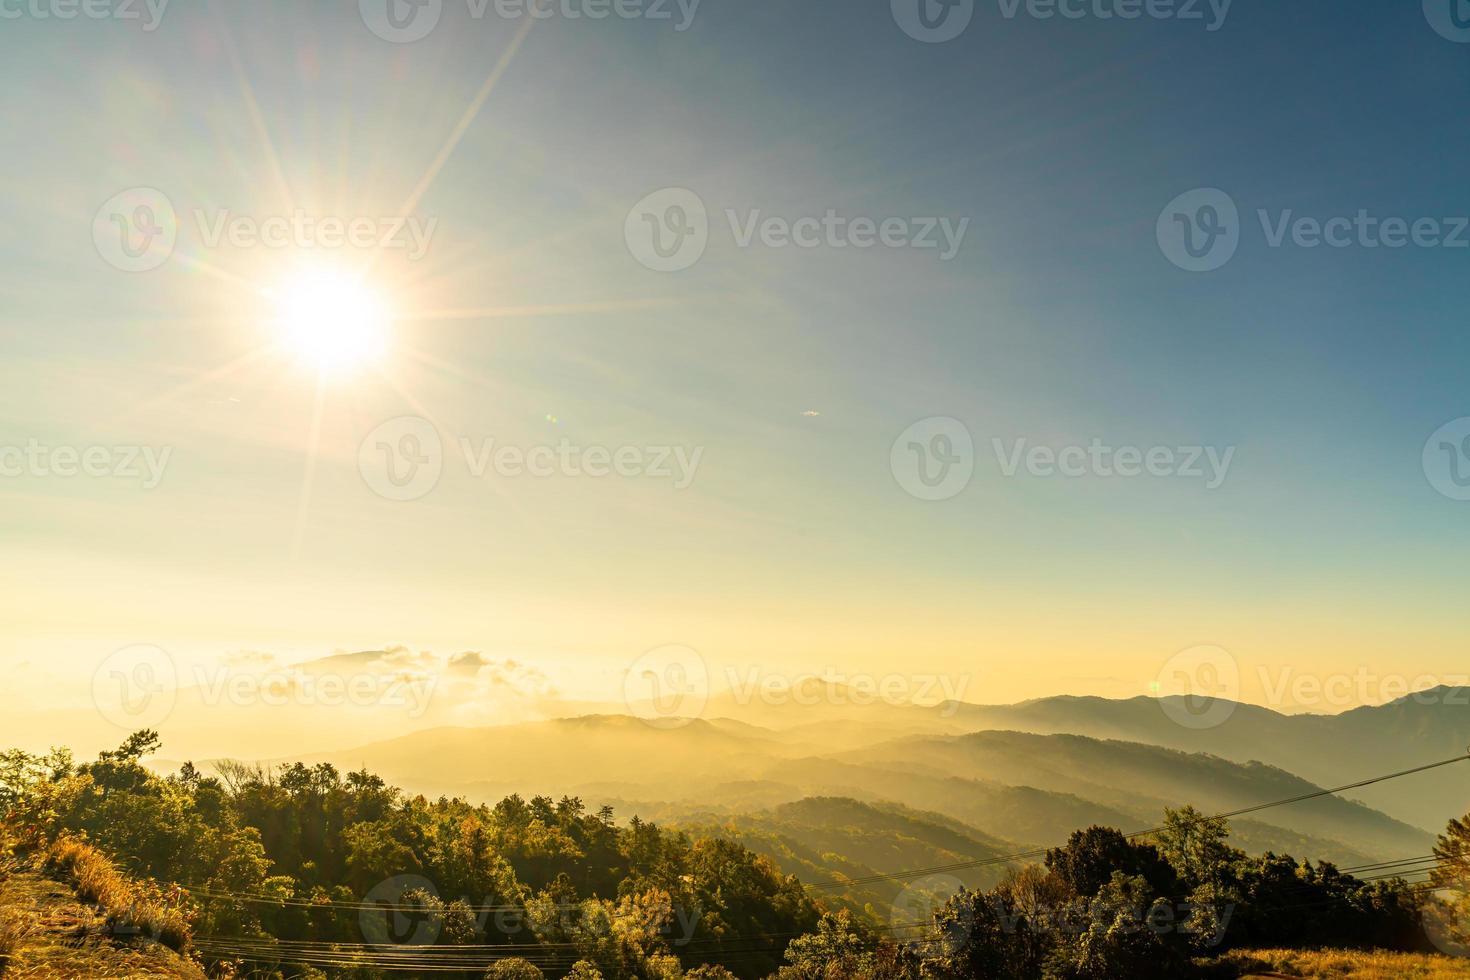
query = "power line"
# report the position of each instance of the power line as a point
(454, 959)
(1041, 852)
(290, 947)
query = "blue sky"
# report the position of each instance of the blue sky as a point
(1059, 321)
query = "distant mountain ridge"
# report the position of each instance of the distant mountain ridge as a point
(1329, 750)
(1140, 778)
(1009, 786)
(830, 742)
(473, 690)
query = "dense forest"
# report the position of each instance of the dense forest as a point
(301, 871)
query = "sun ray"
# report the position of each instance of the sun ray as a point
(223, 371)
(419, 408)
(466, 120)
(550, 309)
(252, 108)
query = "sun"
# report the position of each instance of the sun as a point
(332, 321)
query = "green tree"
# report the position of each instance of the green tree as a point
(514, 968)
(736, 894)
(842, 949)
(975, 935)
(1449, 915)
(1452, 851)
(709, 971)
(1196, 846)
(1090, 857)
(1034, 906)
(375, 852)
(1120, 937)
(837, 944)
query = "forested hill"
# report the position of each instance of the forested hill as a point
(1031, 789)
(303, 871)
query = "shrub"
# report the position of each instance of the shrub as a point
(131, 908)
(15, 926)
(514, 968)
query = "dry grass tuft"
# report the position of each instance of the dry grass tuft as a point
(132, 909)
(1346, 965)
(15, 927)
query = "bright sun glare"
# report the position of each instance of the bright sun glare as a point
(332, 321)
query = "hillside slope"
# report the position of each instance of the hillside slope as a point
(59, 936)
(1129, 775)
(1031, 789)
(1329, 750)
(833, 839)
